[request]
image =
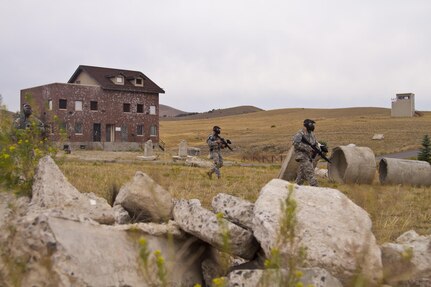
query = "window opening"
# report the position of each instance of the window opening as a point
(93, 105)
(62, 104)
(78, 128)
(139, 82)
(126, 108)
(153, 131)
(140, 130)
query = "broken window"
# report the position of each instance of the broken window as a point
(124, 133)
(93, 105)
(78, 128)
(62, 127)
(139, 82)
(62, 104)
(153, 131)
(140, 130)
(126, 108)
(139, 108)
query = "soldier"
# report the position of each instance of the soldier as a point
(304, 153)
(27, 121)
(215, 145)
(24, 121)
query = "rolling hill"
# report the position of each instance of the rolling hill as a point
(167, 111)
(174, 114)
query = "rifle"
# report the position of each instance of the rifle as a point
(316, 149)
(225, 142)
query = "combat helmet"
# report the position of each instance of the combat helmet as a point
(216, 129)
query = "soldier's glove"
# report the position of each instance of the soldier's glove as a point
(323, 148)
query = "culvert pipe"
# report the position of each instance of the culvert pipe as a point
(404, 171)
(289, 166)
(352, 164)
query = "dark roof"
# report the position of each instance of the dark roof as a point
(103, 77)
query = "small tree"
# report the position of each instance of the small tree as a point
(425, 150)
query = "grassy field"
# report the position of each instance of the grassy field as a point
(393, 209)
(271, 131)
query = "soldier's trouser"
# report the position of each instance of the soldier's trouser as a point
(217, 163)
(306, 172)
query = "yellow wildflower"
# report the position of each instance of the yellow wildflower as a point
(142, 241)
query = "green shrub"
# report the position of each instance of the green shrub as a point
(20, 151)
(425, 150)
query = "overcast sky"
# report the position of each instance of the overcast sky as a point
(210, 54)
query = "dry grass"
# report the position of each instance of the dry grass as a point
(271, 131)
(181, 181)
(393, 209)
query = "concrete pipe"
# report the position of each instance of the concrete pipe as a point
(289, 166)
(352, 164)
(404, 171)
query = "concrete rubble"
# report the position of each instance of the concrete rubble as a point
(62, 237)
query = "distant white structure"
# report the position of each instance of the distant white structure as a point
(403, 105)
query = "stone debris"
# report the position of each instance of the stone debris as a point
(145, 200)
(332, 228)
(67, 238)
(234, 209)
(378, 137)
(205, 225)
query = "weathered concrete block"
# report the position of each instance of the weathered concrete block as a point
(335, 231)
(234, 209)
(203, 224)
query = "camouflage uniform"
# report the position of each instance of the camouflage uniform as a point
(304, 156)
(22, 122)
(26, 120)
(215, 154)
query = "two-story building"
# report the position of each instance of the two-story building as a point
(99, 108)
